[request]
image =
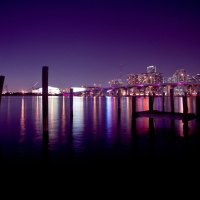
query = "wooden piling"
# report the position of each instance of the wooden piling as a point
(185, 105)
(185, 119)
(185, 112)
(151, 99)
(172, 100)
(71, 103)
(198, 106)
(45, 97)
(133, 106)
(163, 102)
(134, 114)
(1, 83)
(118, 98)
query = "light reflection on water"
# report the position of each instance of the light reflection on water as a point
(96, 126)
(22, 119)
(78, 122)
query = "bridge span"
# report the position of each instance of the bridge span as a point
(179, 88)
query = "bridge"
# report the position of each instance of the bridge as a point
(142, 89)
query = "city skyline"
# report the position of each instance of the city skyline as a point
(151, 76)
(92, 42)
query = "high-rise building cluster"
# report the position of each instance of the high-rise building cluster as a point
(179, 76)
(150, 77)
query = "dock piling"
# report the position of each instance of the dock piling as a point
(45, 97)
(198, 106)
(185, 112)
(163, 102)
(71, 103)
(185, 105)
(1, 85)
(133, 106)
(172, 100)
(151, 100)
(134, 114)
(118, 98)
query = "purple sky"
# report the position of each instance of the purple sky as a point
(86, 42)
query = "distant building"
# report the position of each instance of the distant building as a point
(197, 78)
(115, 83)
(51, 90)
(179, 76)
(133, 79)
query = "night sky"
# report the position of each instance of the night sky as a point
(86, 42)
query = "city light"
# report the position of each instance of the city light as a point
(51, 90)
(78, 89)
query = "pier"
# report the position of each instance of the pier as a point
(172, 115)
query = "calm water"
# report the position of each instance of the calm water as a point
(97, 135)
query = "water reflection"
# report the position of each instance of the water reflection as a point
(8, 110)
(78, 123)
(22, 119)
(109, 112)
(45, 148)
(191, 104)
(127, 112)
(63, 116)
(53, 114)
(90, 110)
(94, 114)
(38, 113)
(179, 104)
(96, 128)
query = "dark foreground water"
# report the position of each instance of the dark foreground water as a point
(97, 137)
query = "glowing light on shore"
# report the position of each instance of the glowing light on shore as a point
(78, 89)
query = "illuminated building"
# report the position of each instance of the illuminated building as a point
(151, 69)
(196, 78)
(179, 76)
(151, 77)
(78, 89)
(51, 90)
(115, 83)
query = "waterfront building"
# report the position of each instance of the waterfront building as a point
(51, 90)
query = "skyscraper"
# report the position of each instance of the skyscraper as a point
(151, 69)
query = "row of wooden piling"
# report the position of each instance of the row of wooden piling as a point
(151, 102)
(198, 106)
